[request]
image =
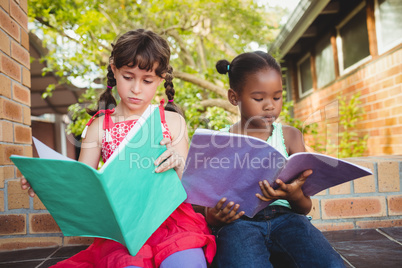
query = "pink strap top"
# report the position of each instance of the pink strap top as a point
(115, 132)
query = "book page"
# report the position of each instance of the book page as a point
(327, 171)
(46, 152)
(229, 165)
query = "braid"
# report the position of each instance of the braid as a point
(106, 99)
(169, 88)
(169, 91)
(111, 81)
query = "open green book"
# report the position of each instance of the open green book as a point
(125, 200)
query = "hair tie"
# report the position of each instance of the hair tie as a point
(228, 67)
(109, 87)
(170, 100)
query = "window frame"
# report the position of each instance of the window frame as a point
(381, 47)
(339, 41)
(299, 81)
(323, 38)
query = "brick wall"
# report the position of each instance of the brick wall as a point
(379, 82)
(24, 221)
(369, 202)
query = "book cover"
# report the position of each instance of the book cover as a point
(125, 200)
(221, 164)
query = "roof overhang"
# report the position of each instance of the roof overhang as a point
(302, 17)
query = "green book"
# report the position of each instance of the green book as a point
(125, 200)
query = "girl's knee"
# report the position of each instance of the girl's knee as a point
(191, 258)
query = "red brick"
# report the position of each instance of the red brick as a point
(37, 204)
(22, 134)
(26, 115)
(324, 227)
(391, 121)
(353, 207)
(26, 77)
(6, 131)
(20, 54)
(396, 110)
(9, 25)
(18, 173)
(17, 198)
(398, 79)
(28, 150)
(396, 90)
(11, 68)
(2, 208)
(343, 188)
(377, 106)
(10, 110)
(12, 224)
(6, 150)
(378, 224)
(395, 205)
(21, 94)
(5, 4)
(19, 15)
(24, 5)
(390, 102)
(25, 39)
(4, 43)
(365, 184)
(78, 240)
(315, 210)
(2, 176)
(390, 72)
(42, 223)
(388, 176)
(7, 244)
(6, 172)
(5, 86)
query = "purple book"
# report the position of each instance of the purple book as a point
(221, 164)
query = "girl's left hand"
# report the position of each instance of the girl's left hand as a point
(290, 192)
(169, 159)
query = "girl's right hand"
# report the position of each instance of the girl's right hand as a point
(219, 215)
(25, 185)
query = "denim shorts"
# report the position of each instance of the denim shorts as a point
(275, 237)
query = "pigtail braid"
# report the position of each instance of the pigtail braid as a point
(169, 91)
(106, 99)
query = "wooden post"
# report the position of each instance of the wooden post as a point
(370, 8)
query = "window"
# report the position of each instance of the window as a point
(352, 39)
(304, 76)
(324, 62)
(388, 23)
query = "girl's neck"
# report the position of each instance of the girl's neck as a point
(251, 130)
(122, 113)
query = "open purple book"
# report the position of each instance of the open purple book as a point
(221, 164)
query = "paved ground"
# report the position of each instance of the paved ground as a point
(365, 248)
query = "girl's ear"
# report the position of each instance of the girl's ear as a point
(232, 97)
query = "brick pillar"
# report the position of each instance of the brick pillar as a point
(15, 115)
(24, 221)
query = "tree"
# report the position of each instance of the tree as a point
(79, 33)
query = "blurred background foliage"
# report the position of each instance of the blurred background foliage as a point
(79, 34)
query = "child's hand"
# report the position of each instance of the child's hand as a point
(220, 215)
(169, 159)
(290, 192)
(25, 185)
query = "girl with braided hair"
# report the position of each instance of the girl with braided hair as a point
(139, 62)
